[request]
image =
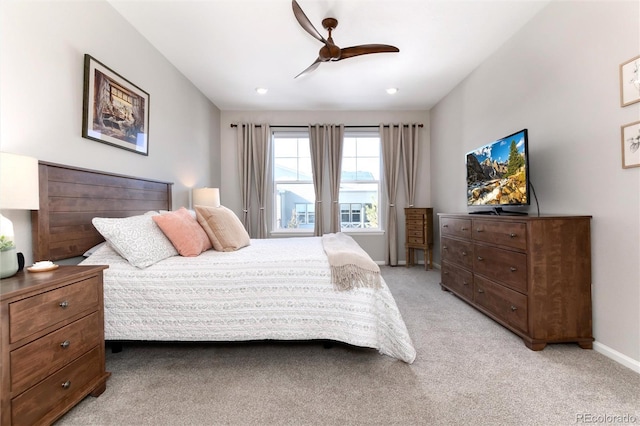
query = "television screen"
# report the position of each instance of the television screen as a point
(497, 173)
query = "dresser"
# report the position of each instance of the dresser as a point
(532, 274)
(52, 337)
(419, 234)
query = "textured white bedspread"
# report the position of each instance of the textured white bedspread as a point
(276, 289)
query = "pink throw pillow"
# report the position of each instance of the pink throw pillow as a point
(184, 232)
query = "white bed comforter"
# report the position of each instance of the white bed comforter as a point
(276, 289)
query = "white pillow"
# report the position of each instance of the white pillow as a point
(137, 238)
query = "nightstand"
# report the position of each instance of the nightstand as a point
(52, 337)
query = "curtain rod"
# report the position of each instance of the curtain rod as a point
(304, 127)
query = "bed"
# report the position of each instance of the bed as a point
(272, 289)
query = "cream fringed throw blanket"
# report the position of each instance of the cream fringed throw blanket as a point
(350, 265)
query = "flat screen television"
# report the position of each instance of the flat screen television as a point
(498, 176)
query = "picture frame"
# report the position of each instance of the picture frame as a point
(630, 81)
(631, 145)
(115, 111)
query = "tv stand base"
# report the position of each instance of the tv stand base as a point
(499, 211)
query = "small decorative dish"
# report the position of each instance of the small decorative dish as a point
(42, 267)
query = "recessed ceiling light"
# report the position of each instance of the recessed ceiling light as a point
(392, 90)
(261, 90)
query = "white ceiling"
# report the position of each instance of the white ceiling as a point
(228, 48)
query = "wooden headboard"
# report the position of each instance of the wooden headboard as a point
(70, 197)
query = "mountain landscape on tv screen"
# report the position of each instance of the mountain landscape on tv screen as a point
(494, 179)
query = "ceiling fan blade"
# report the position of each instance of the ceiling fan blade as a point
(365, 49)
(310, 68)
(305, 22)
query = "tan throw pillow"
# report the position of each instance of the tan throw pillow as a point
(223, 227)
(184, 232)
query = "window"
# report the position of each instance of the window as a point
(360, 180)
(306, 213)
(293, 181)
(294, 196)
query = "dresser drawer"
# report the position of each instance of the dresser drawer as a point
(65, 385)
(455, 227)
(456, 251)
(506, 304)
(28, 316)
(458, 280)
(35, 361)
(505, 266)
(509, 234)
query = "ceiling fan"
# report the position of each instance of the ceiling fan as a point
(330, 52)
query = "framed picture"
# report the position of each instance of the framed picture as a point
(631, 145)
(630, 82)
(115, 111)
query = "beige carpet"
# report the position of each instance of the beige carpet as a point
(469, 370)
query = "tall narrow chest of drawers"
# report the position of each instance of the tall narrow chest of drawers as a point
(52, 337)
(530, 274)
(419, 234)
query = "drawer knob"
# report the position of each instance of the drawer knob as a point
(464, 253)
(480, 259)
(64, 304)
(445, 248)
(479, 230)
(445, 273)
(66, 385)
(465, 283)
(512, 269)
(480, 290)
(464, 229)
(445, 226)
(512, 235)
(513, 308)
(65, 344)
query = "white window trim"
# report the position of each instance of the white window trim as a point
(382, 198)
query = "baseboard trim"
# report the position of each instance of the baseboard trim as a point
(617, 356)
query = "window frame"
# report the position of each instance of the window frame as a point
(299, 133)
(303, 133)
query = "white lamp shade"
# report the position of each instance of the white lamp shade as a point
(209, 197)
(19, 187)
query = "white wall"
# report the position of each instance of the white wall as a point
(558, 77)
(373, 244)
(41, 82)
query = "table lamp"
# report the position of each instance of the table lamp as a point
(19, 190)
(209, 197)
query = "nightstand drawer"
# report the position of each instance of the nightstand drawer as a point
(28, 316)
(35, 361)
(57, 389)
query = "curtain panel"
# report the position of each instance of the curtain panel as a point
(254, 152)
(334, 139)
(399, 142)
(409, 145)
(317, 142)
(261, 156)
(390, 138)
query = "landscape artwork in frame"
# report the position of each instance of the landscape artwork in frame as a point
(115, 111)
(631, 145)
(630, 82)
